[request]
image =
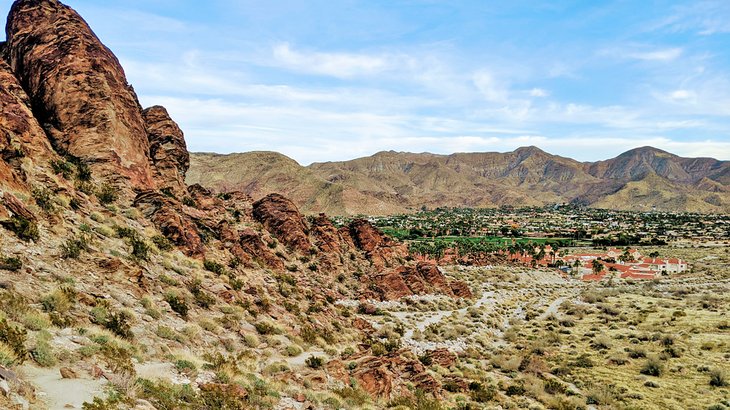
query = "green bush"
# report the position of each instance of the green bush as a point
(202, 298)
(10, 263)
(140, 248)
(62, 167)
(107, 194)
(314, 362)
(15, 338)
(652, 367)
(265, 328)
(73, 247)
(718, 379)
(43, 354)
(162, 243)
(479, 393)
(44, 199)
(214, 267)
(23, 228)
(177, 304)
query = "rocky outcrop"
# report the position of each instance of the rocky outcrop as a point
(24, 148)
(421, 279)
(253, 247)
(387, 376)
(78, 91)
(167, 149)
(281, 217)
(380, 249)
(168, 216)
(442, 357)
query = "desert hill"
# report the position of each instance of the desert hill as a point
(118, 276)
(393, 182)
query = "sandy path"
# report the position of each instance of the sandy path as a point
(59, 393)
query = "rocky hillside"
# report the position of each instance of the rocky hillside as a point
(395, 182)
(117, 276)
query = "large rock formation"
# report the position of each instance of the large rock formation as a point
(281, 217)
(167, 149)
(78, 91)
(24, 148)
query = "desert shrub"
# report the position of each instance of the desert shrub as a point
(119, 324)
(43, 354)
(44, 199)
(601, 342)
(718, 378)
(62, 167)
(314, 362)
(185, 366)
(202, 298)
(35, 321)
(480, 393)
(293, 350)
(162, 243)
(583, 361)
(72, 248)
(553, 386)
(515, 390)
(12, 264)
(420, 400)
(140, 248)
(177, 303)
(637, 353)
(213, 266)
(8, 357)
(107, 194)
(265, 328)
(14, 338)
(188, 201)
(25, 229)
(652, 367)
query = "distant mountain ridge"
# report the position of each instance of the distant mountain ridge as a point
(393, 182)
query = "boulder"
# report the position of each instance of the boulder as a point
(281, 217)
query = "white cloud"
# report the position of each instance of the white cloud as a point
(489, 87)
(539, 92)
(341, 65)
(668, 54)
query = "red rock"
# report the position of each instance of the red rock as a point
(68, 373)
(251, 243)
(387, 376)
(79, 91)
(442, 357)
(281, 217)
(167, 215)
(24, 147)
(233, 391)
(168, 150)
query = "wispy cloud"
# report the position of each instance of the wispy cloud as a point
(343, 65)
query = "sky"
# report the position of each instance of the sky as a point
(324, 80)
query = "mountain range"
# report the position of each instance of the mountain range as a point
(391, 182)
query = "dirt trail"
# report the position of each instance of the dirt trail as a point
(59, 393)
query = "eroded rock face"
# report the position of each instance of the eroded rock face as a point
(281, 217)
(421, 279)
(170, 219)
(24, 148)
(380, 249)
(386, 376)
(168, 150)
(253, 246)
(78, 91)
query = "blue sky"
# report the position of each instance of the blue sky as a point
(333, 80)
